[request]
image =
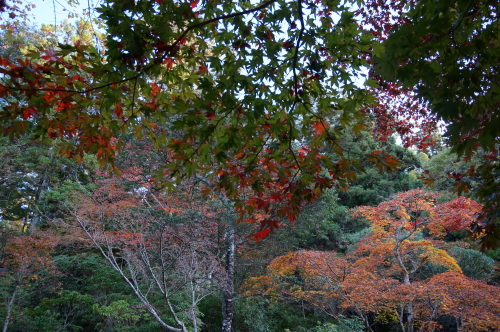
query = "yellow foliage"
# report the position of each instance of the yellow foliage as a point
(384, 274)
(440, 257)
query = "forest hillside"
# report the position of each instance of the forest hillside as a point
(282, 165)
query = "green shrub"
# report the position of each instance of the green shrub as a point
(473, 263)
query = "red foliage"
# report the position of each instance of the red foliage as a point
(386, 274)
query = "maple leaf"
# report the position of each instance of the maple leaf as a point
(118, 111)
(210, 115)
(202, 70)
(155, 89)
(319, 127)
(51, 55)
(194, 3)
(29, 112)
(288, 45)
(169, 62)
(261, 235)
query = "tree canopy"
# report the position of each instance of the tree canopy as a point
(254, 96)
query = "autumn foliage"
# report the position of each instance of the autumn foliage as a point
(158, 245)
(400, 272)
(27, 256)
(251, 103)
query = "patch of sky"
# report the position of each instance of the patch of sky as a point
(55, 12)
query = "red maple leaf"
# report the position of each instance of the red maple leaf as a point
(261, 235)
(193, 4)
(27, 113)
(202, 70)
(210, 115)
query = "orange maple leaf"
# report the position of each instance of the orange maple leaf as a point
(319, 127)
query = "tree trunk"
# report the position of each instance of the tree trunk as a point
(44, 186)
(230, 256)
(410, 317)
(228, 305)
(9, 309)
(400, 237)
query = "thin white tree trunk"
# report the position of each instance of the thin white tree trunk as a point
(228, 305)
(400, 237)
(9, 309)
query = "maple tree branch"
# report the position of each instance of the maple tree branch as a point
(107, 252)
(10, 305)
(247, 167)
(175, 43)
(133, 97)
(296, 55)
(397, 248)
(216, 125)
(102, 102)
(223, 17)
(326, 130)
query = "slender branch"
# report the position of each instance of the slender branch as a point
(297, 47)
(223, 17)
(210, 185)
(111, 259)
